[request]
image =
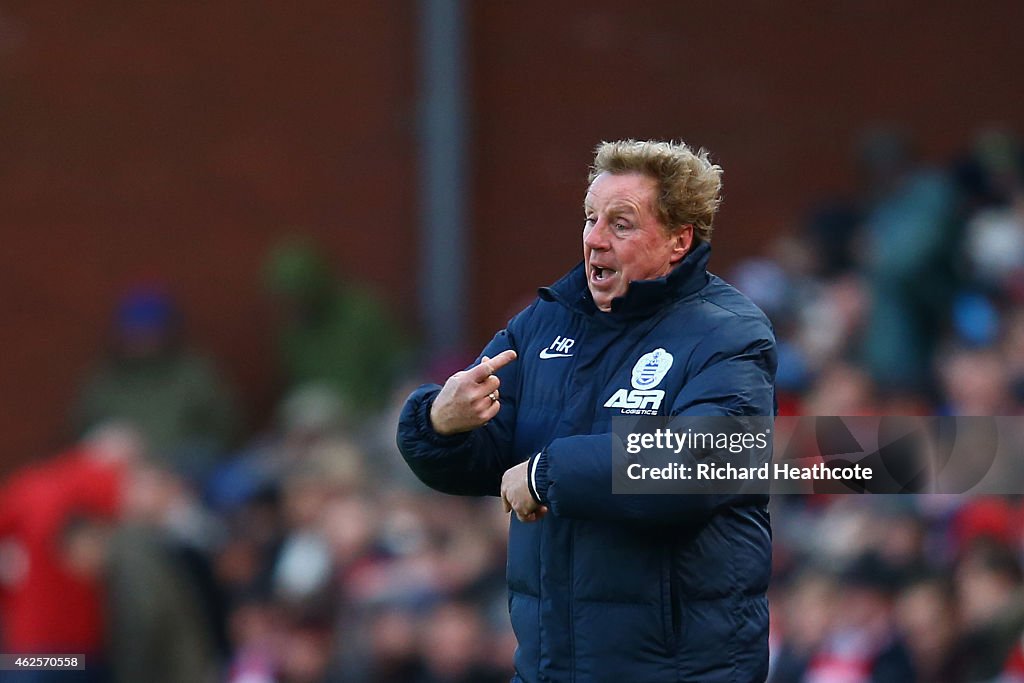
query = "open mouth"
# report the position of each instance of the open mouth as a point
(600, 274)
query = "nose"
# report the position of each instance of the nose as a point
(596, 237)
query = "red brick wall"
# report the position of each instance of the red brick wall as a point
(181, 139)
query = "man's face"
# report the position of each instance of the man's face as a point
(623, 239)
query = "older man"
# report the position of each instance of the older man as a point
(605, 587)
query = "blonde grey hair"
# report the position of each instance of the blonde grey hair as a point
(689, 185)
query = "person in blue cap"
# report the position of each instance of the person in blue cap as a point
(149, 378)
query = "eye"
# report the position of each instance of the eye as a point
(621, 227)
(589, 222)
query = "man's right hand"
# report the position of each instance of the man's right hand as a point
(470, 399)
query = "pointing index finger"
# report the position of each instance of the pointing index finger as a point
(489, 366)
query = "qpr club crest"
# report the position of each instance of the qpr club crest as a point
(651, 369)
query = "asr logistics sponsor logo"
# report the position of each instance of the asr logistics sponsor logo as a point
(636, 401)
(643, 398)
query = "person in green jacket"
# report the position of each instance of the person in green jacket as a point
(331, 332)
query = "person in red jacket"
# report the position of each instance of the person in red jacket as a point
(46, 606)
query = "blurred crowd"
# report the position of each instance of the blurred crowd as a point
(172, 543)
(905, 297)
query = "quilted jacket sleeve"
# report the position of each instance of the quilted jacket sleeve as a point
(471, 463)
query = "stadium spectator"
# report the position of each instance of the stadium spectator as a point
(863, 643)
(331, 332)
(801, 619)
(150, 379)
(988, 581)
(927, 614)
(912, 227)
(50, 600)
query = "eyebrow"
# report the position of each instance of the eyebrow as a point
(616, 208)
(621, 208)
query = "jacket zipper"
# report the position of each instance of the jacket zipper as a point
(677, 608)
(572, 616)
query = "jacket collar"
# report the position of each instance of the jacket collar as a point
(643, 296)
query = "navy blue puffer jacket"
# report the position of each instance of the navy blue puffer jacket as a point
(620, 588)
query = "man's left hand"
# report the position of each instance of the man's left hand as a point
(516, 496)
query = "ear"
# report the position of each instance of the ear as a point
(682, 242)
